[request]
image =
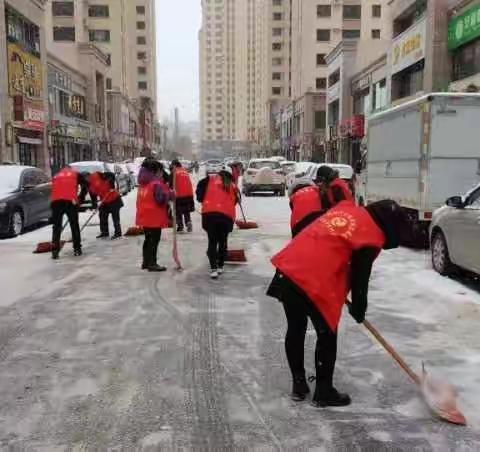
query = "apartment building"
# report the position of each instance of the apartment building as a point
(23, 83)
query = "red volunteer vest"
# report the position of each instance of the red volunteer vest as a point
(95, 181)
(304, 202)
(342, 185)
(105, 192)
(217, 200)
(183, 184)
(149, 213)
(65, 186)
(318, 259)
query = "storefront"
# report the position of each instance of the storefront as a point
(407, 61)
(464, 45)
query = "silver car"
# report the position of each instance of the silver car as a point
(455, 234)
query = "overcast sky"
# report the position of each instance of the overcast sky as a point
(178, 22)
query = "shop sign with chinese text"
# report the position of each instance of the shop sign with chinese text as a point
(25, 75)
(409, 47)
(464, 28)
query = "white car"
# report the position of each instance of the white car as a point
(455, 234)
(213, 166)
(288, 167)
(264, 175)
(301, 169)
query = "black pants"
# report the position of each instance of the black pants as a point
(298, 311)
(59, 209)
(150, 246)
(103, 213)
(217, 244)
(183, 218)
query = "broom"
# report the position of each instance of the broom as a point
(48, 247)
(134, 231)
(245, 224)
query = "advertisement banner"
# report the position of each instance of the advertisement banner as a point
(409, 47)
(25, 76)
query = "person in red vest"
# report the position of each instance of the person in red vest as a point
(316, 271)
(218, 196)
(184, 202)
(152, 210)
(306, 206)
(66, 185)
(110, 204)
(332, 188)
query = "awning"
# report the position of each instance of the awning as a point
(27, 140)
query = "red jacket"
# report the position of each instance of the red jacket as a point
(318, 259)
(149, 213)
(183, 184)
(106, 193)
(344, 187)
(305, 201)
(219, 200)
(94, 183)
(65, 186)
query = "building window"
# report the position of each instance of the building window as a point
(108, 83)
(22, 31)
(379, 95)
(320, 119)
(276, 91)
(140, 25)
(352, 12)
(141, 10)
(98, 11)
(109, 59)
(376, 10)
(408, 82)
(141, 55)
(277, 76)
(466, 61)
(350, 34)
(375, 34)
(99, 35)
(142, 86)
(141, 40)
(334, 77)
(324, 11)
(321, 59)
(277, 16)
(277, 46)
(277, 32)
(277, 2)
(64, 34)
(321, 83)
(142, 70)
(276, 61)
(323, 35)
(62, 9)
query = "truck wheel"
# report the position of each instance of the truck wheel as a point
(440, 257)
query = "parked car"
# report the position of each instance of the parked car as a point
(122, 178)
(301, 169)
(134, 170)
(131, 178)
(213, 166)
(288, 167)
(455, 234)
(264, 175)
(345, 172)
(24, 198)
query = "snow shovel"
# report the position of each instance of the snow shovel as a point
(174, 223)
(440, 396)
(245, 224)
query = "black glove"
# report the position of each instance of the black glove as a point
(357, 312)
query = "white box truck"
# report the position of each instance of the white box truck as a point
(422, 152)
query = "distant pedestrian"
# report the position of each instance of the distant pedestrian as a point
(152, 210)
(332, 188)
(219, 196)
(184, 201)
(111, 203)
(66, 185)
(315, 273)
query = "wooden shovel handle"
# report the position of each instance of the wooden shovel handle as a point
(393, 353)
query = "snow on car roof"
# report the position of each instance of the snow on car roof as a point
(14, 169)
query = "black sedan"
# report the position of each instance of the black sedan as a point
(24, 198)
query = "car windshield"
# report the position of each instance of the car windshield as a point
(288, 167)
(9, 179)
(264, 164)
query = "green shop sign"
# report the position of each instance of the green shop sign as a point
(464, 28)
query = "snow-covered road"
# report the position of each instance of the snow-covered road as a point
(96, 354)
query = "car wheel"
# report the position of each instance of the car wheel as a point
(16, 223)
(440, 257)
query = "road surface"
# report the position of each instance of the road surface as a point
(96, 354)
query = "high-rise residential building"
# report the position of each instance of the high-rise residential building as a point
(122, 33)
(231, 62)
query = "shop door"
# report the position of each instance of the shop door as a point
(27, 154)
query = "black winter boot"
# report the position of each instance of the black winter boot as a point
(300, 389)
(329, 397)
